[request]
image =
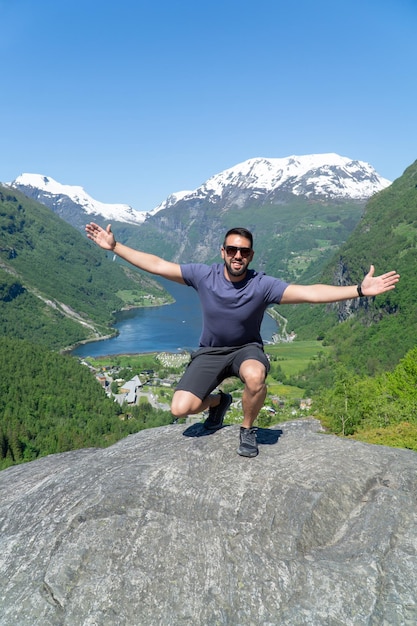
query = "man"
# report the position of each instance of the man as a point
(233, 300)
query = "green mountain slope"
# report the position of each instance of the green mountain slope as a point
(288, 237)
(376, 332)
(56, 287)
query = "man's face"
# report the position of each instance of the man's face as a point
(236, 254)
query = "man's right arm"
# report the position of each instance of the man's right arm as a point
(144, 261)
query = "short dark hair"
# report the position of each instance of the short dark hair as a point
(243, 232)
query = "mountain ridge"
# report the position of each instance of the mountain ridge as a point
(327, 175)
(41, 188)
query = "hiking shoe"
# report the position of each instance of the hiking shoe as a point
(217, 413)
(248, 444)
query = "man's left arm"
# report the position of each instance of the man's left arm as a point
(316, 294)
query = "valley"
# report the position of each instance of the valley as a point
(58, 289)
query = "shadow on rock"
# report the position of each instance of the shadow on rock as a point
(198, 430)
(265, 436)
(268, 437)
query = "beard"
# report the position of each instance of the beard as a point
(236, 271)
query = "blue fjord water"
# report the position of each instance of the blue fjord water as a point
(169, 328)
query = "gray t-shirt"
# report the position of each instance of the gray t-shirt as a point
(232, 311)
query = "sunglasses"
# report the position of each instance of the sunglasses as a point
(233, 250)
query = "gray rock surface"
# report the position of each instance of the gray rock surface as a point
(172, 527)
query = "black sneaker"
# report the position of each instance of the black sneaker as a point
(217, 413)
(248, 444)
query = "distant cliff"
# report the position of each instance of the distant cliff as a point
(171, 527)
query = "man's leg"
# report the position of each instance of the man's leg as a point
(194, 392)
(186, 403)
(253, 374)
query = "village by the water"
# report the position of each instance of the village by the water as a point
(152, 386)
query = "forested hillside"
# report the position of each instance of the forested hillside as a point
(380, 409)
(50, 403)
(376, 332)
(56, 287)
(288, 236)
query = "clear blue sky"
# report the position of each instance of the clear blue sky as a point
(136, 99)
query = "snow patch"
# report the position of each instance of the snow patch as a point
(47, 185)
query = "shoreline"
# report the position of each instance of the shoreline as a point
(69, 350)
(133, 354)
(83, 342)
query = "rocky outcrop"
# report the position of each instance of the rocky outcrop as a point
(172, 527)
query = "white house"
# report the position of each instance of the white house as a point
(130, 389)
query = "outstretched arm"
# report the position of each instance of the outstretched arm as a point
(144, 261)
(315, 294)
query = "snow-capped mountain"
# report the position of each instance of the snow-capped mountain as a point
(264, 195)
(172, 199)
(328, 176)
(66, 198)
(260, 180)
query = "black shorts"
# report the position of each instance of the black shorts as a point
(208, 367)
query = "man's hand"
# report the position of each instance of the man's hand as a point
(374, 285)
(103, 238)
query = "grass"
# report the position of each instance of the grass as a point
(294, 357)
(133, 299)
(284, 391)
(135, 361)
(403, 435)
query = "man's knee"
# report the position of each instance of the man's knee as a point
(253, 374)
(184, 403)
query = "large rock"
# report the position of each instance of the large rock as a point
(170, 527)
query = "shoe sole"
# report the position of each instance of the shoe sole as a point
(247, 453)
